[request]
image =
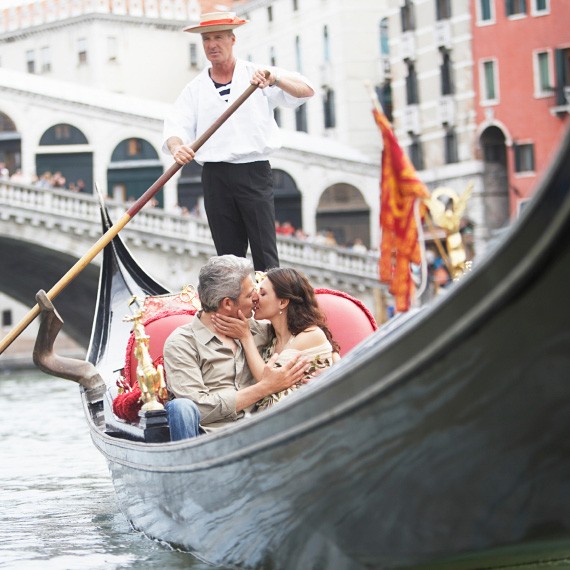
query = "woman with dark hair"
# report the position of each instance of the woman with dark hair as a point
(288, 301)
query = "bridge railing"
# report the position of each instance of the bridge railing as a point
(65, 208)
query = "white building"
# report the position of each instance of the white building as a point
(327, 175)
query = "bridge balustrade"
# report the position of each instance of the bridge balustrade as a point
(65, 209)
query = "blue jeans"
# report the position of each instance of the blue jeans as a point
(183, 418)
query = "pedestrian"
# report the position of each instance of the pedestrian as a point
(236, 176)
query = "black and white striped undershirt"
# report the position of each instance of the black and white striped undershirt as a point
(223, 89)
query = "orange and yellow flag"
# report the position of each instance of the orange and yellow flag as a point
(399, 188)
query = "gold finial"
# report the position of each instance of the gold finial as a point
(448, 217)
(189, 295)
(150, 379)
(259, 277)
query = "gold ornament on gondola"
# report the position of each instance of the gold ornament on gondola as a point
(448, 217)
(150, 378)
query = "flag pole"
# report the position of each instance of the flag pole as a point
(373, 97)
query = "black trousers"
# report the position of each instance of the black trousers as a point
(239, 203)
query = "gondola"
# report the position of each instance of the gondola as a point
(440, 440)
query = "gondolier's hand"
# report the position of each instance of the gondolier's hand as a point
(262, 78)
(182, 153)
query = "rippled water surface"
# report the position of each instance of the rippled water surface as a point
(57, 504)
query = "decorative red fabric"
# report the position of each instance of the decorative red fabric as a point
(127, 405)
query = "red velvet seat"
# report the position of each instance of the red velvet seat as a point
(158, 328)
(348, 319)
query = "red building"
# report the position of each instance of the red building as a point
(521, 57)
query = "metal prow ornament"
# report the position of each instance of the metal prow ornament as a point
(48, 361)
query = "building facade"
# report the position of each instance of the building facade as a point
(432, 63)
(522, 94)
(124, 52)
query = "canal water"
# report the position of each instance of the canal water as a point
(57, 504)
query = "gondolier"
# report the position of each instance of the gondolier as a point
(236, 177)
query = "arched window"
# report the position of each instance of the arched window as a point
(343, 211)
(75, 167)
(134, 149)
(495, 193)
(133, 169)
(10, 144)
(63, 134)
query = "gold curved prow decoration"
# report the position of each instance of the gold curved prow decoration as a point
(150, 378)
(448, 217)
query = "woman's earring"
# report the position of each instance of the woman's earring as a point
(280, 312)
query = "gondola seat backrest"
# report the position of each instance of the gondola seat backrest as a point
(347, 318)
(158, 328)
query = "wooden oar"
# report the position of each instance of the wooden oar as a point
(121, 223)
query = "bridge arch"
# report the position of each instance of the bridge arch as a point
(287, 198)
(64, 148)
(287, 194)
(10, 144)
(343, 210)
(134, 167)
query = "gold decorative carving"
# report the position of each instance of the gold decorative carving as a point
(150, 378)
(447, 215)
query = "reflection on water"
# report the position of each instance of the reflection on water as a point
(57, 504)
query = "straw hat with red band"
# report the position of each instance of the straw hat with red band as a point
(216, 22)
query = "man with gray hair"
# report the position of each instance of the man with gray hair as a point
(206, 371)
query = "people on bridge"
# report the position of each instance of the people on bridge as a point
(206, 370)
(237, 179)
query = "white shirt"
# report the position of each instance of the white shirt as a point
(249, 135)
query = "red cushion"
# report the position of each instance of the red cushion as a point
(348, 319)
(158, 329)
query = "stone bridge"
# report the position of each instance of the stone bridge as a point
(43, 232)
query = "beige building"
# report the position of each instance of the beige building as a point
(415, 53)
(433, 98)
(125, 46)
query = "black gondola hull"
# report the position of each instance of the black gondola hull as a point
(442, 435)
